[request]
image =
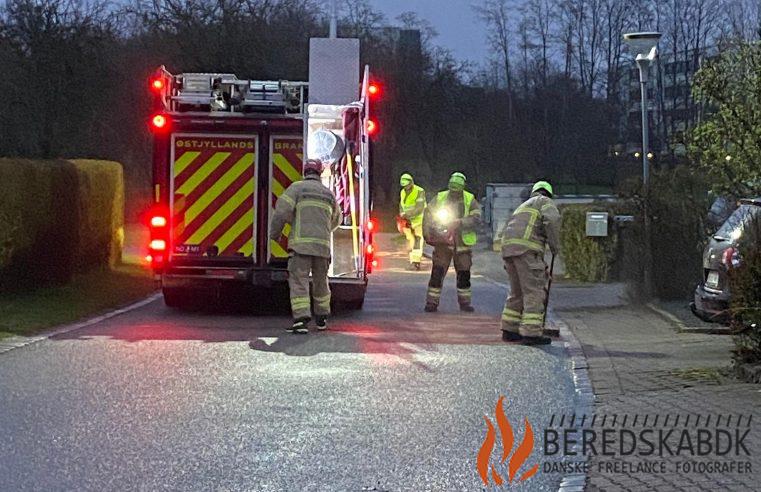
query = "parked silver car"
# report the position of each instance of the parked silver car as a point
(712, 295)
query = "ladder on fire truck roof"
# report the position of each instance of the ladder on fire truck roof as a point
(226, 94)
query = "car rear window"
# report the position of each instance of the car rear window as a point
(738, 221)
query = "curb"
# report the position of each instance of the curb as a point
(681, 327)
(576, 482)
(573, 482)
(8, 344)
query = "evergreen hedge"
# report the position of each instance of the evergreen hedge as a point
(58, 218)
(587, 259)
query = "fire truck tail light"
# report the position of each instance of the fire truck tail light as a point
(159, 121)
(375, 263)
(370, 249)
(157, 84)
(158, 245)
(371, 225)
(149, 259)
(373, 89)
(158, 221)
(372, 127)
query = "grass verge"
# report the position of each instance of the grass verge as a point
(27, 313)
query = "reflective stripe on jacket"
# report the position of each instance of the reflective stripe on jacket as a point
(313, 213)
(535, 224)
(413, 205)
(468, 210)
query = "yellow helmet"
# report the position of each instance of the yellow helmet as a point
(406, 179)
(542, 185)
(457, 181)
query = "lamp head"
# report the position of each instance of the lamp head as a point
(641, 43)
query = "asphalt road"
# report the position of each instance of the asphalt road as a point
(391, 398)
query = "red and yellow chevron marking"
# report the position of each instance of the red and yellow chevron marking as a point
(214, 179)
(287, 168)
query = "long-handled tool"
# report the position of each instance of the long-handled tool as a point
(549, 332)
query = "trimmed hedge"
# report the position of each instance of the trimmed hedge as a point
(58, 218)
(587, 259)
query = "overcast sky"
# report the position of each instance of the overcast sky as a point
(458, 26)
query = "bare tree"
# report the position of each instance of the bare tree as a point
(538, 15)
(494, 13)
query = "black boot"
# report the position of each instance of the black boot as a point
(430, 307)
(536, 341)
(300, 326)
(467, 308)
(511, 336)
(321, 322)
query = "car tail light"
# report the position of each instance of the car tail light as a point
(731, 258)
(158, 245)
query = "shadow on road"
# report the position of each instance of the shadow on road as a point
(377, 335)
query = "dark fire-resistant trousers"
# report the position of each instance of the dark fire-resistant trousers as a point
(299, 267)
(442, 257)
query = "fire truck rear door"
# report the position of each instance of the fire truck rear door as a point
(213, 195)
(286, 167)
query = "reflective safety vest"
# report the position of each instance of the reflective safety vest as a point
(469, 237)
(535, 223)
(313, 213)
(409, 202)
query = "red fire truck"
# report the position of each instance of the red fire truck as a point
(224, 150)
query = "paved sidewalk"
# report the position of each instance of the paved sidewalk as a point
(640, 365)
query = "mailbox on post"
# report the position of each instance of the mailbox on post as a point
(597, 224)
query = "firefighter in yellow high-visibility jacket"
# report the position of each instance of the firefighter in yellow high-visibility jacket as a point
(313, 213)
(450, 226)
(411, 209)
(535, 224)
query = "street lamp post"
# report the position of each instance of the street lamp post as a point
(644, 46)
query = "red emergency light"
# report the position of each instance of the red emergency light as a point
(158, 221)
(159, 121)
(158, 245)
(373, 89)
(372, 127)
(157, 84)
(371, 225)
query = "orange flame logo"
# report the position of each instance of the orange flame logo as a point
(519, 457)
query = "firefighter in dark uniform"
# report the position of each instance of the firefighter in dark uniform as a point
(450, 227)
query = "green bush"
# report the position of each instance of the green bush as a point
(745, 285)
(587, 259)
(57, 218)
